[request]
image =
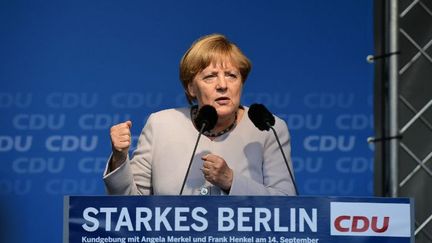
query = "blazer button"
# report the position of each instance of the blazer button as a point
(204, 191)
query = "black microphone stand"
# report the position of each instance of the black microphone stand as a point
(283, 154)
(193, 154)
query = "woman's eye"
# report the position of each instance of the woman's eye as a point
(232, 75)
(209, 76)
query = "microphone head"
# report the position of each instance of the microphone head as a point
(262, 118)
(207, 116)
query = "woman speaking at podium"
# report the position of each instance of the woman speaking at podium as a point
(233, 158)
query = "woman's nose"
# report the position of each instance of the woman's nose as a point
(221, 84)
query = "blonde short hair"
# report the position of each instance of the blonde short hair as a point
(206, 50)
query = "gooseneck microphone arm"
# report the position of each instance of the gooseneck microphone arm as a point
(191, 159)
(284, 157)
(263, 119)
(205, 120)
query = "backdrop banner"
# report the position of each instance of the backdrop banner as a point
(72, 69)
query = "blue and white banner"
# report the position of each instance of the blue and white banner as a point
(69, 70)
(237, 219)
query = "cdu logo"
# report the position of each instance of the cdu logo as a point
(370, 219)
(358, 223)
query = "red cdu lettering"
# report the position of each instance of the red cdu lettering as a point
(360, 220)
(345, 223)
(384, 226)
(338, 223)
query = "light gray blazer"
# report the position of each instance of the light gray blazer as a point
(159, 163)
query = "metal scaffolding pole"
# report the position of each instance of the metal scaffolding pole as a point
(403, 108)
(393, 97)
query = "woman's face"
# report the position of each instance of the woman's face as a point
(219, 85)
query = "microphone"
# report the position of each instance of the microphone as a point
(263, 119)
(205, 120)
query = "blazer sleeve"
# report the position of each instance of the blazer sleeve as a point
(276, 178)
(133, 177)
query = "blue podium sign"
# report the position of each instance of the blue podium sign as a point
(234, 219)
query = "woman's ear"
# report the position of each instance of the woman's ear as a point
(191, 90)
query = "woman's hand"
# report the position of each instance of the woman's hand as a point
(217, 172)
(121, 141)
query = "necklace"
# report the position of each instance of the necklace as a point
(194, 112)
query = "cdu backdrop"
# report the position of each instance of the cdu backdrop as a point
(71, 69)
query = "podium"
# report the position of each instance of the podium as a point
(270, 219)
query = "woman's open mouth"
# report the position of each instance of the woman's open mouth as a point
(222, 100)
